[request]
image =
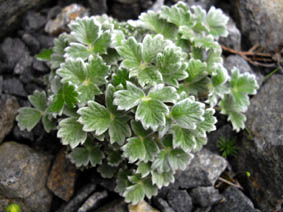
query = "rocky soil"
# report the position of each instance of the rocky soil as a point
(34, 171)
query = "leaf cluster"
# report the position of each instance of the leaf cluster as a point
(136, 99)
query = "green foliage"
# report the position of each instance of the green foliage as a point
(227, 147)
(136, 99)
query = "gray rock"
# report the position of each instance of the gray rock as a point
(1, 84)
(46, 41)
(233, 40)
(262, 157)
(98, 7)
(125, 11)
(14, 87)
(180, 200)
(23, 64)
(205, 196)
(208, 209)
(235, 201)
(126, 1)
(162, 205)
(93, 201)
(23, 176)
(31, 42)
(74, 204)
(40, 66)
(8, 111)
(115, 206)
(259, 20)
(11, 13)
(156, 7)
(203, 170)
(12, 50)
(33, 21)
(237, 61)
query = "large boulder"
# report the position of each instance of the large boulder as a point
(12, 11)
(23, 177)
(262, 156)
(260, 21)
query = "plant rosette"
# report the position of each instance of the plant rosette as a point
(135, 99)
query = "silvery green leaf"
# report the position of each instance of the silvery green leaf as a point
(96, 71)
(85, 30)
(94, 117)
(208, 124)
(88, 154)
(234, 111)
(196, 70)
(66, 95)
(187, 113)
(48, 123)
(179, 14)
(162, 179)
(242, 85)
(138, 191)
(172, 66)
(161, 163)
(183, 138)
(214, 58)
(38, 100)
(121, 76)
(71, 132)
(28, 117)
(144, 169)
(138, 148)
(199, 15)
(206, 42)
(217, 22)
(127, 99)
(57, 57)
(119, 129)
(77, 50)
(178, 159)
(102, 43)
(72, 71)
(163, 93)
(151, 113)
(153, 22)
(131, 51)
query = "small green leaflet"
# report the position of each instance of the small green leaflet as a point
(57, 57)
(218, 87)
(172, 66)
(66, 95)
(127, 99)
(217, 21)
(196, 70)
(85, 30)
(187, 113)
(122, 181)
(141, 188)
(187, 139)
(86, 77)
(88, 153)
(114, 158)
(139, 148)
(162, 179)
(151, 110)
(234, 111)
(153, 22)
(71, 132)
(44, 55)
(96, 117)
(28, 117)
(139, 58)
(242, 86)
(169, 160)
(179, 14)
(144, 169)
